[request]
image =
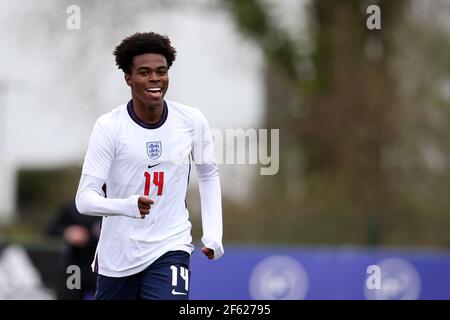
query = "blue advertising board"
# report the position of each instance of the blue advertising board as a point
(295, 273)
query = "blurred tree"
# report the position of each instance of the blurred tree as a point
(337, 110)
(419, 157)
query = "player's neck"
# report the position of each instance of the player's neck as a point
(147, 113)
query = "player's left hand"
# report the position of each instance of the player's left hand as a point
(208, 252)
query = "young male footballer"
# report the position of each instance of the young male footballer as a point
(135, 175)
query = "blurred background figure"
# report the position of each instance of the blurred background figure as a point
(80, 234)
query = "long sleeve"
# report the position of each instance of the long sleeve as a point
(90, 200)
(209, 187)
(96, 166)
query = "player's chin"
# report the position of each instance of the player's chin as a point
(152, 101)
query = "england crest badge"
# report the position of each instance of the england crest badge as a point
(154, 149)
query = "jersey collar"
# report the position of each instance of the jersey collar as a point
(143, 124)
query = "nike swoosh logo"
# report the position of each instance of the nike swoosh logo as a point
(178, 293)
(151, 166)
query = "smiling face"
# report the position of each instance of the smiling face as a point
(149, 79)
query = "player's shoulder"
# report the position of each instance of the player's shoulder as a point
(185, 110)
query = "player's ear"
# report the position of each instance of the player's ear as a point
(128, 79)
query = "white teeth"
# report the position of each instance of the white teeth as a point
(153, 89)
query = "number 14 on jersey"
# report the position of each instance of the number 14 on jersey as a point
(157, 181)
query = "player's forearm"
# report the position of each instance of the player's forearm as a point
(211, 207)
(92, 204)
(89, 201)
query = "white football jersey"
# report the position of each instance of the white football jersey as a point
(133, 158)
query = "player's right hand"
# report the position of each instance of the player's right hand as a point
(144, 204)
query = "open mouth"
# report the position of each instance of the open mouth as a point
(155, 92)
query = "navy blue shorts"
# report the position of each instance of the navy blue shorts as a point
(165, 279)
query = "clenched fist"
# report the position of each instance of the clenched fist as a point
(208, 252)
(144, 204)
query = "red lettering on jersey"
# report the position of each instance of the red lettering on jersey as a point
(147, 184)
(158, 181)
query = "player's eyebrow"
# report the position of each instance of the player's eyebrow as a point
(148, 68)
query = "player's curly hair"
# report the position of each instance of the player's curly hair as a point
(141, 43)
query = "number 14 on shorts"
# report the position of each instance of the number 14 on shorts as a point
(184, 274)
